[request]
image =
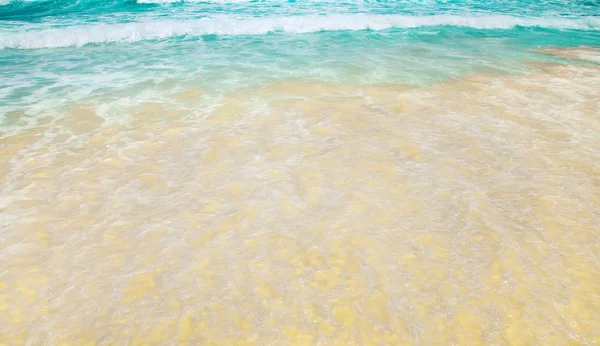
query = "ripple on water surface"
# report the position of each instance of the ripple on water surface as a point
(303, 212)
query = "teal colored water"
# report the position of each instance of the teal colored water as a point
(55, 53)
(310, 172)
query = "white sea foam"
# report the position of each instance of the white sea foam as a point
(227, 25)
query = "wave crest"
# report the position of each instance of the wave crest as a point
(131, 32)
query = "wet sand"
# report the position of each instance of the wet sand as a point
(302, 213)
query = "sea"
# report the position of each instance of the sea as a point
(299, 172)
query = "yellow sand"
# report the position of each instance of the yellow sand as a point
(304, 213)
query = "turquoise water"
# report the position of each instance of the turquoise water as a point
(55, 53)
(299, 172)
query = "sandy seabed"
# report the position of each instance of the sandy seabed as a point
(303, 213)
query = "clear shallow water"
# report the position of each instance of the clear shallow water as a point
(223, 46)
(299, 172)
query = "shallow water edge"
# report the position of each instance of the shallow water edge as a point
(305, 212)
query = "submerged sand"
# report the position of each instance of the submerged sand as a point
(299, 212)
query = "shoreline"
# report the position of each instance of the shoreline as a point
(465, 213)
